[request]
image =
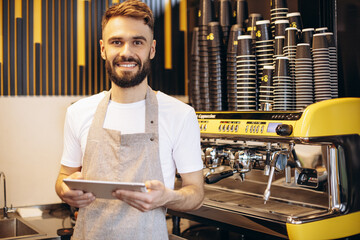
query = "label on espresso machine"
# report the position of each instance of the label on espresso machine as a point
(245, 123)
(306, 177)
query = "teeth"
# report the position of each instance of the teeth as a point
(127, 65)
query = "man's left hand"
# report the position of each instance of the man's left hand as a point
(145, 201)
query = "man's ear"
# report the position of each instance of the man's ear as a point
(153, 49)
(102, 49)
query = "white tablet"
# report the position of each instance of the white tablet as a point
(103, 189)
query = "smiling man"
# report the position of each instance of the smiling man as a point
(130, 134)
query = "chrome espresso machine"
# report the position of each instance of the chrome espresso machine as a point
(286, 174)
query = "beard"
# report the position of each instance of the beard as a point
(128, 79)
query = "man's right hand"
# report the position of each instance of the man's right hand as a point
(75, 198)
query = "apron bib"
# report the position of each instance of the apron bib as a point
(110, 156)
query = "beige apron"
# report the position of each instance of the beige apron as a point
(110, 156)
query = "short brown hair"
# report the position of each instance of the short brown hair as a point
(130, 8)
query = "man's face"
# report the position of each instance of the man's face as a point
(127, 47)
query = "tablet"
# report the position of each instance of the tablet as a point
(103, 189)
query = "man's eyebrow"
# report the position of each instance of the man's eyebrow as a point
(133, 38)
(140, 38)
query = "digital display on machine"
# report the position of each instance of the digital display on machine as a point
(271, 127)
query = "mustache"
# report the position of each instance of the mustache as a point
(119, 59)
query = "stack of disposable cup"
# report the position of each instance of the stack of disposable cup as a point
(245, 74)
(278, 11)
(264, 48)
(266, 92)
(307, 36)
(194, 83)
(278, 47)
(283, 86)
(251, 24)
(205, 17)
(295, 20)
(333, 64)
(235, 32)
(241, 11)
(280, 26)
(291, 40)
(216, 84)
(304, 80)
(225, 19)
(321, 58)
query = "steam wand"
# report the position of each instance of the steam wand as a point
(279, 161)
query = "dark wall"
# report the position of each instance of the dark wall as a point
(348, 32)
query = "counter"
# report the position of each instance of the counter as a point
(54, 217)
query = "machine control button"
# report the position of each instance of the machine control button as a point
(262, 129)
(246, 129)
(205, 127)
(227, 128)
(224, 128)
(232, 128)
(220, 128)
(257, 128)
(284, 130)
(201, 127)
(236, 128)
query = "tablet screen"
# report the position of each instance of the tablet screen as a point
(103, 189)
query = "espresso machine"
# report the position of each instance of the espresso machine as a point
(287, 175)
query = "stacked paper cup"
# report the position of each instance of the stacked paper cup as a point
(303, 76)
(264, 46)
(240, 11)
(246, 74)
(307, 36)
(295, 20)
(333, 64)
(251, 24)
(279, 47)
(225, 19)
(236, 30)
(291, 40)
(283, 86)
(266, 92)
(216, 83)
(194, 71)
(205, 17)
(321, 57)
(279, 11)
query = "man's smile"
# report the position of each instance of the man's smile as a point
(126, 65)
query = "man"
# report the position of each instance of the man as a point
(130, 134)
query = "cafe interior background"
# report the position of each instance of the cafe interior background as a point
(49, 58)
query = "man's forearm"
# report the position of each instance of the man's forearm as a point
(187, 198)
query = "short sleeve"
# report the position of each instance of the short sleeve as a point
(187, 148)
(72, 154)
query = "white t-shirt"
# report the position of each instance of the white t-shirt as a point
(179, 135)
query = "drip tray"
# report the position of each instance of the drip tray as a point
(247, 197)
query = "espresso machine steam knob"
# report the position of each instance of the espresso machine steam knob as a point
(284, 130)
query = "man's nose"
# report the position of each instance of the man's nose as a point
(126, 50)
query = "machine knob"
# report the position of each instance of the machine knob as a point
(284, 129)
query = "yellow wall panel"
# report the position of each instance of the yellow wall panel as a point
(167, 35)
(37, 21)
(1, 49)
(1, 34)
(81, 32)
(18, 9)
